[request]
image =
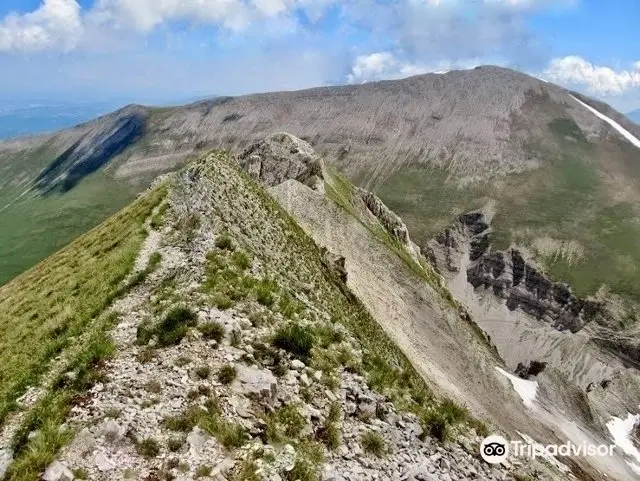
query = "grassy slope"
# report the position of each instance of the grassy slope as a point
(67, 294)
(565, 200)
(44, 309)
(34, 228)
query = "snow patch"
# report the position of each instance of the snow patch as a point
(620, 430)
(526, 389)
(624, 132)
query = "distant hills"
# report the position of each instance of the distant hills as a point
(635, 116)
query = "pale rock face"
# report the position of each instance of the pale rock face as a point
(386, 216)
(5, 461)
(281, 157)
(255, 382)
(196, 441)
(58, 472)
(103, 463)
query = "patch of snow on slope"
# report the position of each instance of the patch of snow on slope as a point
(624, 132)
(620, 430)
(525, 389)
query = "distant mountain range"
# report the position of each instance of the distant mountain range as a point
(635, 116)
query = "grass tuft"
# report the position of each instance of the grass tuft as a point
(296, 339)
(373, 443)
(227, 374)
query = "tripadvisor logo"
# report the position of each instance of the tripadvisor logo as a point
(495, 449)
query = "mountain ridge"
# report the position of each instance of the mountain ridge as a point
(227, 281)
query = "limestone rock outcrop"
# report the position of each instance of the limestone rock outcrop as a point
(508, 274)
(281, 157)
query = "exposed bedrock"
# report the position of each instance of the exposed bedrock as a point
(509, 275)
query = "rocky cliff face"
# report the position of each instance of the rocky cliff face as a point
(280, 157)
(389, 219)
(109, 137)
(509, 275)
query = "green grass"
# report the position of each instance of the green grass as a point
(296, 339)
(42, 310)
(231, 435)
(284, 424)
(148, 448)
(373, 443)
(212, 330)
(46, 418)
(227, 374)
(174, 326)
(35, 228)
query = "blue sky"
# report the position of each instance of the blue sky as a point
(157, 51)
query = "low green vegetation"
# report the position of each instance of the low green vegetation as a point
(212, 330)
(33, 454)
(373, 443)
(148, 448)
(227, 374)
(309, 459)
(45, 308)
(34, 227)
(284, 424)
(203, 372)
(329, 432)
(440, 420)
(170, 330)
(231, 435)
(296, 339)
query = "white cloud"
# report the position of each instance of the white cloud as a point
(144, 15)
(387, 66)
(381, 66)
(598, 80)
(529, 3)
(55, 24)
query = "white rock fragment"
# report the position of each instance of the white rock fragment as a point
(58, 472)
(297, 364)
(103, 463)
(255, 382)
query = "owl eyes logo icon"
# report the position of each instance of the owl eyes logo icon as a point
(494, 449)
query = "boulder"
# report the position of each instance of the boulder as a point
(257, 383)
